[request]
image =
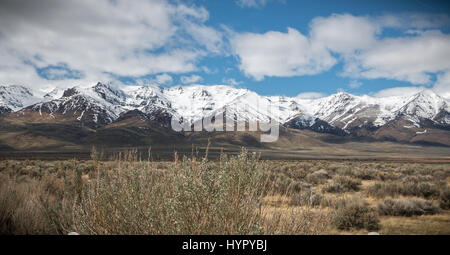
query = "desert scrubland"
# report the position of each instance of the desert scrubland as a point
(239, 194)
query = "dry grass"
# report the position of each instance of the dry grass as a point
(417, 225)
(406, 207)
(234, 195)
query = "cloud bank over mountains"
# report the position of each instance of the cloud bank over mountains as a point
(64, 43)
(356, 42)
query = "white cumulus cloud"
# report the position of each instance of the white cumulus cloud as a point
(279, 54)
(410, 59)
(101, 39)
(231, 81)
(164, 79)
(442, 85)
(398, 91)
(344, 33)
(191, 79)
(354, 84)
(419, 54)
(311, 95)
(251, 3)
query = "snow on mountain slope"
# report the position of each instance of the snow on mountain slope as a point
(197, 101)
(108, 92)
(102, 103)
(425, 104)
(332, 108)
(286, 108)
(53, 94)
(248, 106)
(16, 97)
(99, 105)
(349, 111)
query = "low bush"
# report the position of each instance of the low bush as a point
(356, 214)
(406, 207)
(392, 189)
(306, 197)
(444, 199)
(388, 176)
(318, 177)
(362, 173)
(194, 198)
(342, 184)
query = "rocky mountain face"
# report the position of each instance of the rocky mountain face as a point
(422, 117)
(4, 109)
(314, 124)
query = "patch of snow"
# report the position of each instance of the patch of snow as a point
(81, 116)
(423, 132)
(346, 124)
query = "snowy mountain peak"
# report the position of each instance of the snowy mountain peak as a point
(342, 94)
(54, 94)
(16, 97)
(425, 104)
(103, 103)
(110, 93)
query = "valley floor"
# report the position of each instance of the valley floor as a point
(369, 151)
(239, 194)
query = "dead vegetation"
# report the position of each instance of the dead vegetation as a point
(234, 195)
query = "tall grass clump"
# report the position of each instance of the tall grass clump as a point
(20, 213)
(193, 197)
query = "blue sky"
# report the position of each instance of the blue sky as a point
(273, 47)
(278, 15)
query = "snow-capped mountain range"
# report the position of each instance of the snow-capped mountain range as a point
(103, 104)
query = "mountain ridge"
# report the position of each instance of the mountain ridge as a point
(409, 118)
